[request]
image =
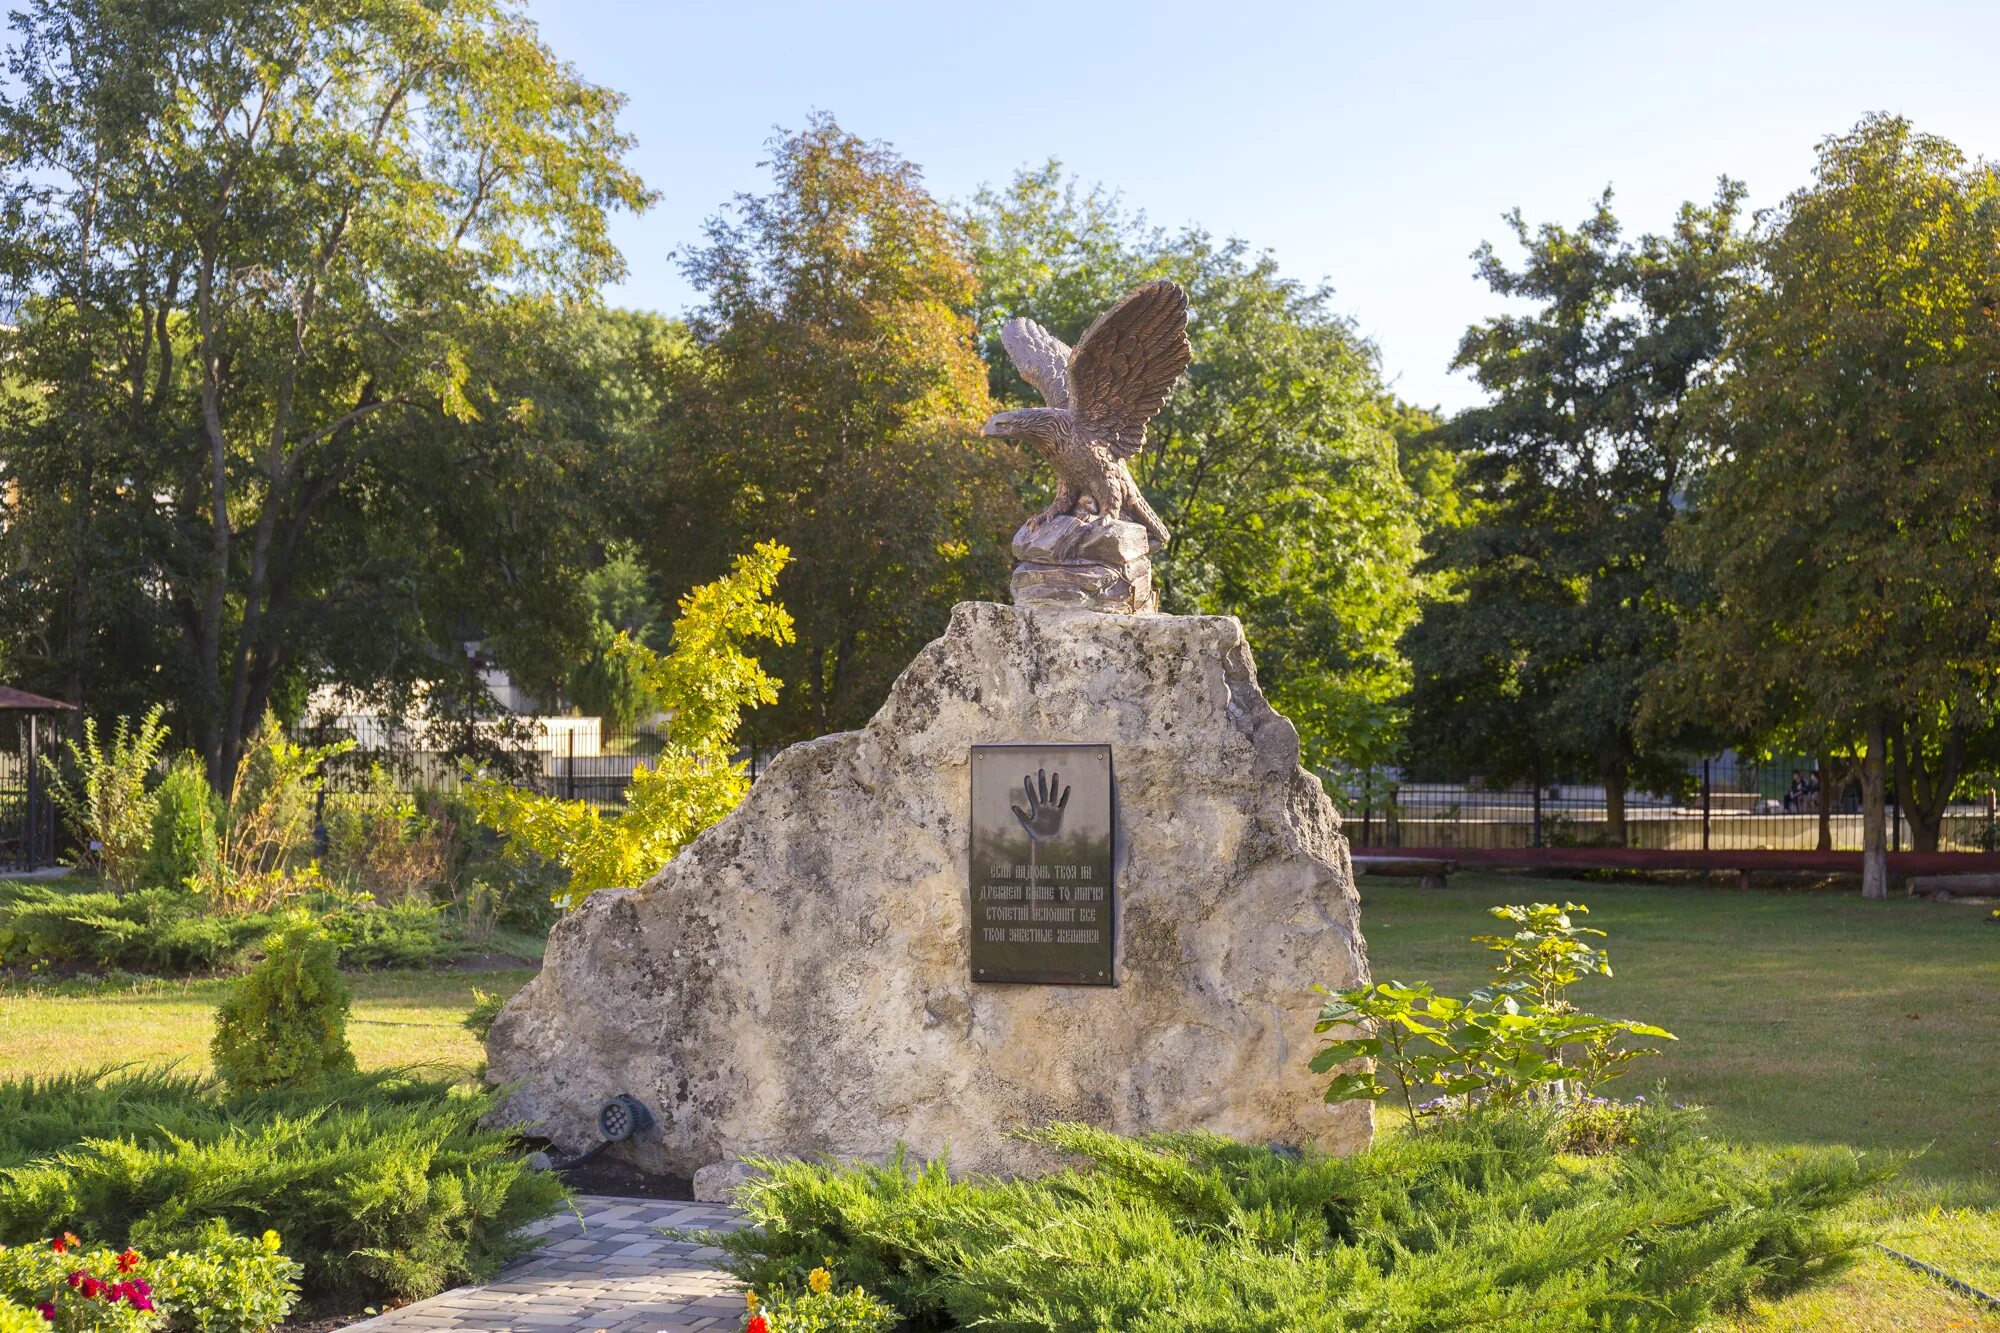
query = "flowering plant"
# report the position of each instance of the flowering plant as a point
(228, 1283)
(225, 1284)
(79, 1290)
(818, 1309)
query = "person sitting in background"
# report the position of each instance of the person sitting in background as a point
(1803, 793)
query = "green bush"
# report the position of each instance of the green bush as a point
(227, 1283)
(382, 842)
(186, 837)
(285, 1023)
(103, 797)
(401, 934)
(172, 931)
(1478, 1222)
(267, 824)
(223, 1284)
(520, 889)
(485, 1009)
(151, 930)
(383, 1186)
(20, 1319)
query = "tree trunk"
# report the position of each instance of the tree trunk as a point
(1874, 826)
(81, 587)
(208, 642)
(1925, 784)
(1826, 802)
(1614, 805)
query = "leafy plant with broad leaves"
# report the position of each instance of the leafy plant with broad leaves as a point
(1547, 951)
(704, 683)
(1515, 1041)
(103, 795)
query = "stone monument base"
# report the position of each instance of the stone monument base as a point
(1090, 564)
(799, 979)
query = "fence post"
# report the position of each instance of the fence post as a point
(1537, 841)
(1706, 790)
(33, 824)
(570, 768)
(1896, 822)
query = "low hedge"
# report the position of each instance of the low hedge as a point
(172, 932)
(1477, 1223)
(384, 1186)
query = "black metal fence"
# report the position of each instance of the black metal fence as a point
(27, 816)
(578, 759)
(1722, 803)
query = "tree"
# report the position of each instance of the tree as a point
(704, 682)
(1557, 599)
(1275, 464)
(277, 267)
(833, 396)
(1850, 523)
(605, 682)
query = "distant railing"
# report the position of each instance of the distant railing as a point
(578, 759)
(575, 758)
(1724, 804)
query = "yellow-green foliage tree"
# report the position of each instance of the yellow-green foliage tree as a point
(704, 683)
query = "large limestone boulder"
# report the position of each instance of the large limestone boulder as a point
(797, 980)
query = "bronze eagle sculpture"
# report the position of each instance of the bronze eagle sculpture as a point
(1100, 397)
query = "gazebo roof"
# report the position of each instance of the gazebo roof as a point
(20, 701)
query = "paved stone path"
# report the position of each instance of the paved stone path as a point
(614, 1272)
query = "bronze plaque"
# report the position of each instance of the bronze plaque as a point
(1042, 898)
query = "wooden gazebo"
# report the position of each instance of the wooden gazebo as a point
(27, 818)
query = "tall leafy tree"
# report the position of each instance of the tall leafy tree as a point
(1852, 523)
(1558, 598)
(1275, 464)
(276, 264)
(832, 399)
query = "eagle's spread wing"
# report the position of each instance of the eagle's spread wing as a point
(1126, 363)
(1041, 357)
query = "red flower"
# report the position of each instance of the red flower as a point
(128, 1261)
(134, 1293)
(59, 1244)
(757, 1324)
(76, 1278)
(91, 1287)
(48, 1311)
(140, 1285)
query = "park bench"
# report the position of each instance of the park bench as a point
(1432, 871)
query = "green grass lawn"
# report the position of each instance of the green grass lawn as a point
(1803, 1018)
(399, 1018)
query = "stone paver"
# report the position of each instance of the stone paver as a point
(612, 1271)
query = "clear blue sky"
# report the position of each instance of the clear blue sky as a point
(1372, 145)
